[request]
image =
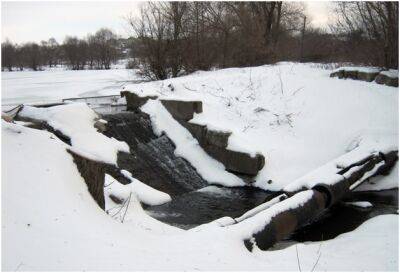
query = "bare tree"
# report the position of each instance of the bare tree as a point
(375, 26)
(8, 55)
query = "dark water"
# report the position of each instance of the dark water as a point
(208, 204)
(151, 158)
(344, 217)
(194, 202)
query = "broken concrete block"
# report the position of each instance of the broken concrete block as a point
(217, 138)
(100, 125)
(234, 161)
(133, 101)
(183, 110)
(215, 143)
(198, 131)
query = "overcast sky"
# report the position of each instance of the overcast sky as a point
(36, 21)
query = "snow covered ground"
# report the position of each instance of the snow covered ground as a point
(57, 83)
(50, 222)
(294, 114)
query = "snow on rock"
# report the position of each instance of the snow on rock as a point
(391, 73)
(187, 146)
(77, 122)
(361, 204)
(364, 69)
(145, 193)
(294, 114)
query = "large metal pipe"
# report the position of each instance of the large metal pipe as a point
(286, 221)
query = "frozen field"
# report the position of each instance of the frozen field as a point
(38, 86)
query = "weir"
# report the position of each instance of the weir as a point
(195, 202)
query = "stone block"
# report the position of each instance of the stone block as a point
(383, 79)
(133, 101)
(217, 138)
(183, 110)
(234, 161)
(367, 76)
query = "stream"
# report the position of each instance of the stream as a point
(195, 202)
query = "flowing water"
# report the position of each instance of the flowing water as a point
(195, 202)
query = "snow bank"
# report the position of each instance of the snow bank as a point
(377, 250)
(76, 121)
(294, 114)
(51, 223)
(187, 146)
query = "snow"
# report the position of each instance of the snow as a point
(391, 73)
(361, 148)
(368, 248)
(364, 69)
(144, 193)
(56, 84)
(252, 225)
(51, 223)
(76, 121)
(294, 114)
(261, 208)
(187, 146)
(361, 204)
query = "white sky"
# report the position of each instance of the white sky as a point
(24, 21)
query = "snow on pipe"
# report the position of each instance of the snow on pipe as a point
(290, 216)
(283, 218)
(357, 173)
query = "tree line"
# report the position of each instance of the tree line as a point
(96, 51)
(174, 38)
(180, 37)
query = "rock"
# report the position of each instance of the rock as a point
(198, 131)
(355, 74)
(367, 76)
(352, 74)
(217, 138)
(339, 74)
(7, 118)
(93, 173)
(133, 101)
(386, 80)
(215, 144)
(100, 125)
(183, 110)
(234, 161)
